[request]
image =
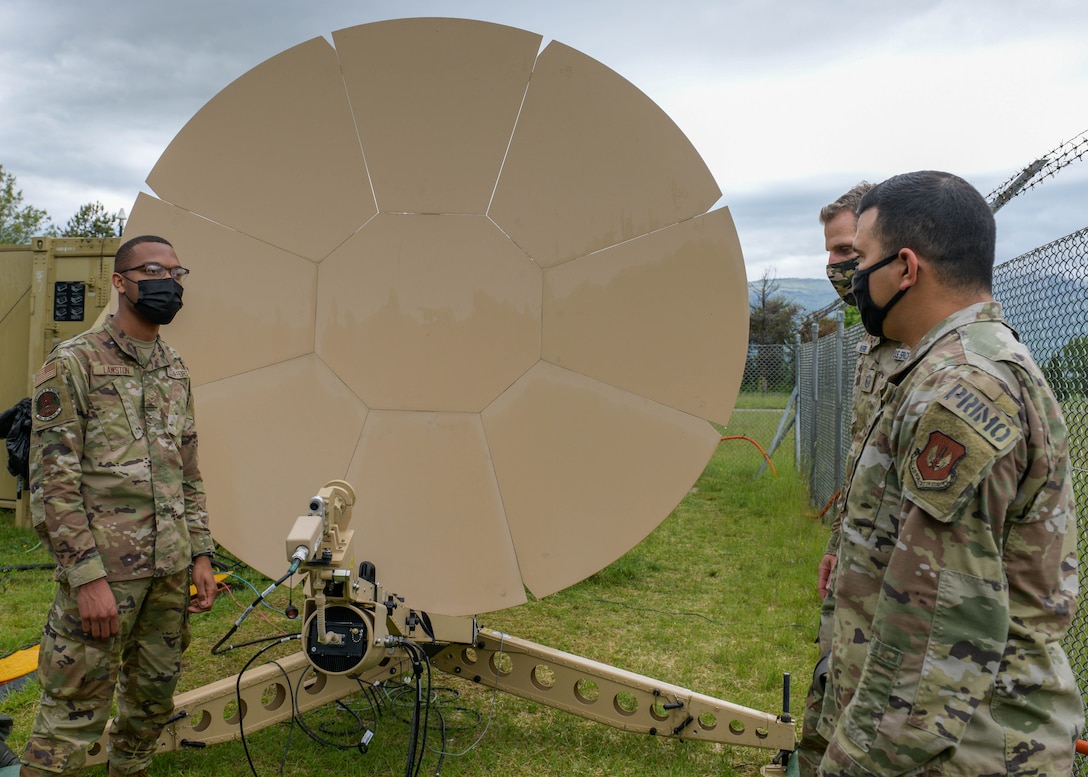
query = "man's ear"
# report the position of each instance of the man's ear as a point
(909, 268)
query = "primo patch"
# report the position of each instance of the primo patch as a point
(972, 406)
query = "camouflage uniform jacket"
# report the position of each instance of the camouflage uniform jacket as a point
(115, 490)
(957, 575)
(877, 359)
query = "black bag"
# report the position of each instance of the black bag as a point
(7, 758)
(15, 426)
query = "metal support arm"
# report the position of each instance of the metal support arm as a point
(608, 695)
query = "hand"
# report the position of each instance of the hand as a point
(98, 609)
(204, 580)
(823, 577)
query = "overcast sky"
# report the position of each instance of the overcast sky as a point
(789, 103)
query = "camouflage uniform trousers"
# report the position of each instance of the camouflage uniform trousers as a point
(811, 746)
(78, 675)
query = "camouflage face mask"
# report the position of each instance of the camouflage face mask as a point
(841, 275)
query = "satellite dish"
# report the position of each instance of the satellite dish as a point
(475, 279)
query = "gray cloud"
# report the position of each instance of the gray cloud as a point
(93, 92)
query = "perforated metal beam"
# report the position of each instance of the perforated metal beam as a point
(589, 689)
(608, 695)
(210, 714)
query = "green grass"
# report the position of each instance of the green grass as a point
(22, 591)
(720, 598)
(775, 400)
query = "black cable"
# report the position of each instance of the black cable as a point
(291, 722)
(26, 567)
(310, 732)
(419, 721)
(413, 733)
(295, 563)
(238, 694)
(428, 699)
(327, 728)
(427, 708)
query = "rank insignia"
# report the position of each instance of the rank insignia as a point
(47, 404)
(934, 464)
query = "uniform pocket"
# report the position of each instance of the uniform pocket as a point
(868, 500)
(970, 625)
(1039, 718)
(866, 710)
(113, 412)
(176, 406)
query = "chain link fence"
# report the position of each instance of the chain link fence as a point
(1044, 295)
(824, 397)
(766, 394)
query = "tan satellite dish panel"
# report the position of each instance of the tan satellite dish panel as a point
(476, 281)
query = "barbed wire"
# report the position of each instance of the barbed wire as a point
(816, 316)
(1038, 171)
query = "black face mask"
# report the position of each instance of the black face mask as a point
(873, 315)
(159, 299)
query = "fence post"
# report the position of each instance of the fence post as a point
(840, 344)
(797, 431)
(815, 400)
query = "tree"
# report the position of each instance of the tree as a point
(1067, 370)
(92, 220)
(18, 222)
(772, 327)
(772, 318)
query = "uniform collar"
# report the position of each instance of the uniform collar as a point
(978, 312)
(124, 343)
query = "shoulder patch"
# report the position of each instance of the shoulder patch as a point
(47, 404)
(934, 464)
(52, 403)
(954, 447)
(981, 414)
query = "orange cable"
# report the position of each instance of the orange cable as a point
(749, 439)
(834, 498)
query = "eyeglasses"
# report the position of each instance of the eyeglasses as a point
(155, 270)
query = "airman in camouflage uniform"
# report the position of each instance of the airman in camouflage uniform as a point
(117, 497)
(877, 358)
(957, 573)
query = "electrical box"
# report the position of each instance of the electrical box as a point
(50, 290)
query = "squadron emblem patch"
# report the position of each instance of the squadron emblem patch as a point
(47, 404)
(934, 464)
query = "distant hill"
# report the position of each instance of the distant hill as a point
(809, 293)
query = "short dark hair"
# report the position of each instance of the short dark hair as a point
(124, 254)
(940, 217)
(848, 201)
